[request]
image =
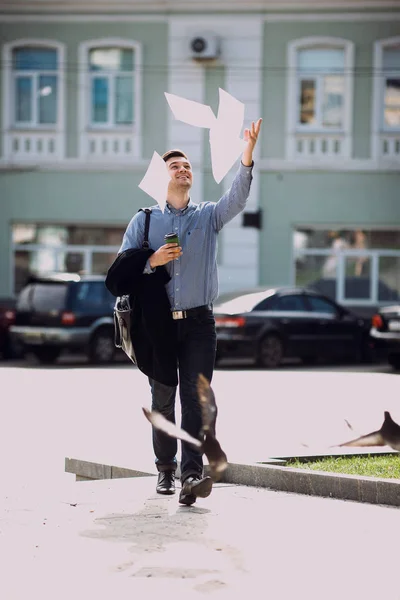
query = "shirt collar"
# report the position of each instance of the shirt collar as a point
(180, 211)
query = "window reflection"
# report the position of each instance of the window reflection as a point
(342, 262)
(392, 103)
(42, 248)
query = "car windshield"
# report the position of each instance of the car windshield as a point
(243, 303)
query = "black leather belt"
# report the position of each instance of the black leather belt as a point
(190, 312)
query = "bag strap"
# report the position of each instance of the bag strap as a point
(145, 243)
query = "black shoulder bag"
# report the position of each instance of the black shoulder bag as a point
(123, 308)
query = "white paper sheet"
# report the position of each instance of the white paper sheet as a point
(156, 180)
(190, 112)
(225, 129)
(230, 113)
(225, 150)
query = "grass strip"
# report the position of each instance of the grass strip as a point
(386, 467)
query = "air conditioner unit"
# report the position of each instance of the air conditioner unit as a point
(204, 46)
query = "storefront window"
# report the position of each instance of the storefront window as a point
(40, 248)
(349, 264)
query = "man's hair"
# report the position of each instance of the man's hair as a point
(174, 153)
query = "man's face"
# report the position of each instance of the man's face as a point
(180, 171)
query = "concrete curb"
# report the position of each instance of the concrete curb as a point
(279, 478)
(315, 483)
(85, 470)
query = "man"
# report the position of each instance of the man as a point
(192, 289)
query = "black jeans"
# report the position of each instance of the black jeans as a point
(197, 342)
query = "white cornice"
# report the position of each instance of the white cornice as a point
(153, 18)
(133, 18)
(184, 6)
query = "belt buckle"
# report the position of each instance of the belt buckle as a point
(178, 314)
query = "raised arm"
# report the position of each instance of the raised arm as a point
(234, 200)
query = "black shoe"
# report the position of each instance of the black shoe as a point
(166, 482)
(195, 487)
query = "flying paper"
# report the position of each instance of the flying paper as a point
(190, 112)
(156, 180)
(225, 141)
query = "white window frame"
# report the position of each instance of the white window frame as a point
(8, 91)
(378, 126)
(293, 83)
(84, 90)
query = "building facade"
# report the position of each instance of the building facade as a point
(83, 109)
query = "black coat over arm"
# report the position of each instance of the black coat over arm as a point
(153, 331)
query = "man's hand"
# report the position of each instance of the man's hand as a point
(250, 136)
(164, 255)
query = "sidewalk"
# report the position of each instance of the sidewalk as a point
(118, 539)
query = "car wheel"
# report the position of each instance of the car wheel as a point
(102, 347)
(394, 361)
(270, 352)
(46, 356)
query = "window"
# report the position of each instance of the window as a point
(386, 116)
(321, 306)
(353, 266)
(33, 129)
(290, 304)
(110, 100)
(111, 85)
(81, 249)
(390, 87)
(35, 86)
(90, 295)
(265, 304)
(320, 88)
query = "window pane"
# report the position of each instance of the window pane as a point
(389, 279)
(35, 59)
(333, 101)
(124, 100)
(391, 59)
(320, 60)
(392, 102)
(47, 99)
(88, 296)
(111, 59)
(23, 99)
(322, 306)
(49, 296)
(290, 303)
(307, 100)
(23, 233)
(71, 262)
(101, 262)
(360, 239)
(310, 269)
(100, 100)
(357, 283)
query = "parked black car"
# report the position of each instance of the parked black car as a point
(65, 311)
(270, 325)
(385, 332)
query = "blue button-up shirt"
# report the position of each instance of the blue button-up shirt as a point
(194, 276)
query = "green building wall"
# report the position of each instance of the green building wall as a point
(277, 37)
(154, 39)
(289, 199)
